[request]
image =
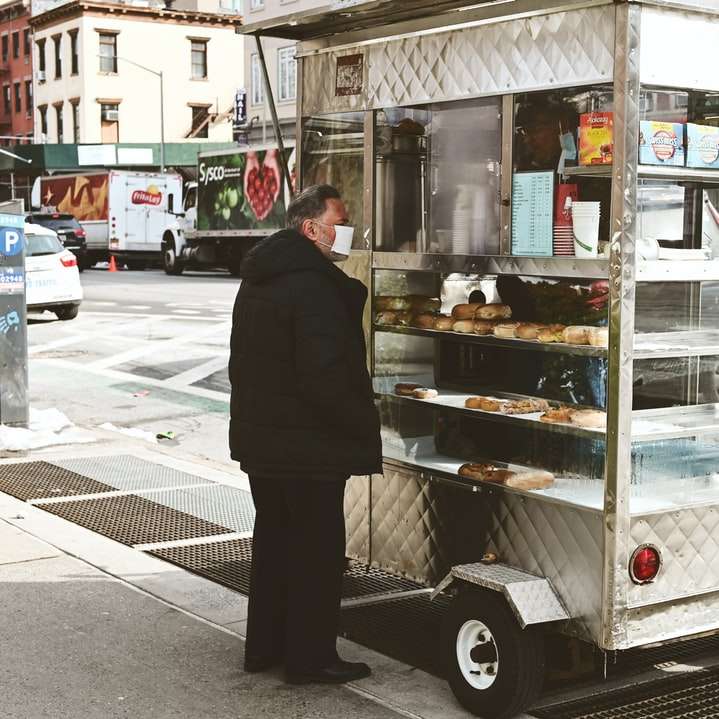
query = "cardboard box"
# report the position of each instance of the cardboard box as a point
(596, 138)
(661, 143)
(702, 146)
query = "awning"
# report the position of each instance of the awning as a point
(341, 16)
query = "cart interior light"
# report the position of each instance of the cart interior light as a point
(645, 564)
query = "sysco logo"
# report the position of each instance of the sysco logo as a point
(211, 174)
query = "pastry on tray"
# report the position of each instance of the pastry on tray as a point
(590, 418)
(406, 389)
(466, 326)
(385, 318)
(558, 415)
(424, 321)
(484, 327)
(425, 393)
(525, 406)
(388, 302)
(505, 330)
(529, 479)
(528, 330)
(488, 404)
(493, 312)
(443, 323)
(466, 311)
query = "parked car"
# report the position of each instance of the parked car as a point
(52, 280)
(69, 230)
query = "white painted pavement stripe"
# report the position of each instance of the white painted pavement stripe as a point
(100, 303)
(127, 377)
(158, 347)
(197, 373)
(116, 493)
(149, 317)
(213, 539)
(56, 343)
(186, 312)
(139, 307)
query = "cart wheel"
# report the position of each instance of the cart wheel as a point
(495, 668)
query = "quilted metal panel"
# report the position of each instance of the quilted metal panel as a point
(688, 540)
(357, 518)
(671, 620)
(532, 598)
(420, 527)
(555, 541)
(565, 48)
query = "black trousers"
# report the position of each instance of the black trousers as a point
(298, 555)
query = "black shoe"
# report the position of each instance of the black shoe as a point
(338, 672)
(253, 665)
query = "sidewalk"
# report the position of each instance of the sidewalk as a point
(78, 643)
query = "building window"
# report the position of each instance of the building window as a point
(74, 58)
(4, 43)
(42, 111)
(76, 121)
(199, 59)
(58, 56)
(60, 132)
(6, 99)
(28, 96)
(18, 98)
(108, 52)
(110, 122)
(257, 94)
(16, 44)
(41, 58)
(26, 41)
(287, 66)
(200, 123)
(257, 4)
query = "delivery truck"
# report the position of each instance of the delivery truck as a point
(124, 213)
(240, 196)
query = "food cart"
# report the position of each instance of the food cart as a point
(456, 132)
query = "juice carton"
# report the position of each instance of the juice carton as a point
(661, 143)
(596, 138)
(702, 145)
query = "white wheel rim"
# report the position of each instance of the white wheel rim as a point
(471, 634)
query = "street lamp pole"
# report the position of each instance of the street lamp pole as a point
(159, 74)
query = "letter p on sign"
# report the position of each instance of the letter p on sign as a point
(10, 242)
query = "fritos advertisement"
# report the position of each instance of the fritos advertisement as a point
(84, 196)
(596, 138)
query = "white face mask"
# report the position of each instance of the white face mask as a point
(340, 248)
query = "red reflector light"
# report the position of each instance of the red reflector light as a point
(645, 564)
(55, 216)
(79, 233)
(68, 261)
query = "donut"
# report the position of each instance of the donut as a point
(425, 393)
(405, 389)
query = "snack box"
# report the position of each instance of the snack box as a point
(596, 138)
(702, 145)
(661, 143)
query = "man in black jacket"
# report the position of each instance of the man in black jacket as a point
(302, 421)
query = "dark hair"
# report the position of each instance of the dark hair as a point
(310, 204)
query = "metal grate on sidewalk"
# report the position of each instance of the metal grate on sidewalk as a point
(689, 696)
(42, 480)
(134, 520)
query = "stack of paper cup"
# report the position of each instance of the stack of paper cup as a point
(585, 228)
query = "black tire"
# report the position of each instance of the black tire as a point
(170, 261)
(68, 312)
(519, 667)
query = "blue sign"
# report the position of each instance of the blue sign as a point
(11, 240)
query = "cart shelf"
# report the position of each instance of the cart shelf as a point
(651, 172)
(658, 345)
(455, 400)
(647, 425)
(684, 271)
(579, 491)
(493, 264)
(492, 341)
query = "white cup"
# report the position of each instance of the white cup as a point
(586, 235)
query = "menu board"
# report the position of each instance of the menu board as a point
(532, 207)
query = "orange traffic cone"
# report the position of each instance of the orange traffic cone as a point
(113, 266)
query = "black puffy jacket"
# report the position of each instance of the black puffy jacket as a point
(302, 400)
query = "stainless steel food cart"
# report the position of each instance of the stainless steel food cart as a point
(622, 550)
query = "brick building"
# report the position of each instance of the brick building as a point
(16, 103)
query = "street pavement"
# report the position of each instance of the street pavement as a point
(92, 628)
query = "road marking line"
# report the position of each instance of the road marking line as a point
(158, 346)
(186, 312)
(139, 307)
(100, 303)
(197, 373)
